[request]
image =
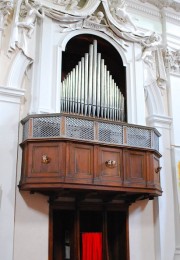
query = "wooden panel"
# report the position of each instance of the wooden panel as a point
(135, 168)
(110, 166)
(46, 159)
(74, 165)
(153, 179)
(81, 162)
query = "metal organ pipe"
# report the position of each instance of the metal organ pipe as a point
(90, 90)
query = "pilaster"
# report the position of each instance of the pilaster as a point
(10, 100)
(165, 207)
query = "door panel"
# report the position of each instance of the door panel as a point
(70, 225)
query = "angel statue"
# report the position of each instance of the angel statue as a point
(118, 10)
(33, 10)
(150, 44)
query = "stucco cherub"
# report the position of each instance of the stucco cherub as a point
(33, 10)
(98, 18)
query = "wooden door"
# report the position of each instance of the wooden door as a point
(68, 227)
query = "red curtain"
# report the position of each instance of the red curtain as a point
(92, 246)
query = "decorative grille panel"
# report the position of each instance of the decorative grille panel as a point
(110, 133)
(46, 126)
(156, 142)
(26, 130)
(79, 129)
(138, 137)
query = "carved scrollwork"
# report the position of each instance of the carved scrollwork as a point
(119, 13)
(68, 4)
(172, 60)
(111, 163)
(158, 169)
(45, 159)
(5, 9)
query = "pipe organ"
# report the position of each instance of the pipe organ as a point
(90, 90)
(90, 163)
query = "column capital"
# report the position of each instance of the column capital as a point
(159, 121)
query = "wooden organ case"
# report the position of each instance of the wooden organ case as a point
(89, 161)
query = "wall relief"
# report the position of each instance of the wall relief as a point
(107, 16)
(172, 60)
(6, 8)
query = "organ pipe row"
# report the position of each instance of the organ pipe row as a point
(90, 90)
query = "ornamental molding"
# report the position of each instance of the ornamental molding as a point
(152, 10)
(160, 4)
(107, 16)
(11, 95)
(171, 16)
(5, 9)
(144, 9)
(172, 61)
(160, 121)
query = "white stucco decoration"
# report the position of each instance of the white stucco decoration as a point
(60, 8)
(172, 61)
(154, 100)
(118, 10)
(175, 4)
(126, 56)
(153, 59)
(5, 9)
(30, 11)
(17, 70)
(106, 16)
(23, 30)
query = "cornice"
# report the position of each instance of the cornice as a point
(160, 4)
(171, 15)
(157, 9)
(149, 10)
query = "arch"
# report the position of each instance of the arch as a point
(17, 70)
(64, 41)
(78, 44)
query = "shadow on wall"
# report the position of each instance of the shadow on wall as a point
(35, 202)
(138, 206)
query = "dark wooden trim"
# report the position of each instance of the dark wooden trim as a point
(77, 207)
(50, 251)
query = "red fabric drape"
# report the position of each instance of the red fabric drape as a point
(92, 246)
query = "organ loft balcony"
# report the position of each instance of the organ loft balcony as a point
(70, 154)
(88, 150)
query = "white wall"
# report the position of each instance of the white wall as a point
(31, 227)
(9, 124)
(141, 231)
